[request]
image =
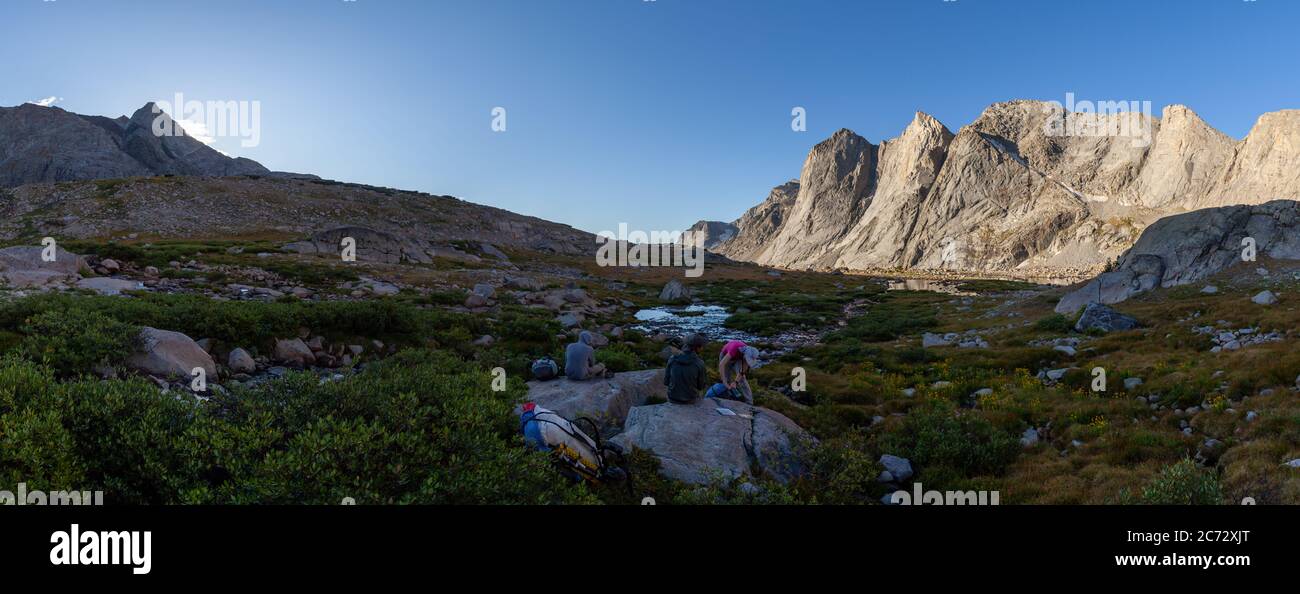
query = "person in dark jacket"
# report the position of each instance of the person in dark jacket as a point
(685, 374)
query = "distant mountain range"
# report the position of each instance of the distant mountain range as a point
(88, 177)
(48, 144)
(1006, 194)
(1010, 192)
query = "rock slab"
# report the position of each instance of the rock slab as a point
(697, 443)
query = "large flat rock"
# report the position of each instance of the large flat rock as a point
(21, 267)
(697, 443)
(606, 401)
(168, 354)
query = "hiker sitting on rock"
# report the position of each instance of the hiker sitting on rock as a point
(580, 360)
(685, 374)
(734, 363)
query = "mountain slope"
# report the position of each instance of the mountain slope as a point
(48, 144)
(183, 207)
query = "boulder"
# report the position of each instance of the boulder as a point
(169, 354)
(570, 319)
(900, 468)
(1104, 318)
(524, 283)
(21, 267)
(674, 291)
(696, 443)
(293, 352)
(485, 290)
(382, 288)
(1210, 451)
(576, 296)
(493, 251)
(1110, 287)
(606, 401)
(1265, 298)
(240, 361)
(109, 286)
(1056, 374)
(929, 340)
(450, 252)
(372, 245)
(1192, 246)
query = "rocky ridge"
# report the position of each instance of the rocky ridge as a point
(1007, 193)
(48, 144)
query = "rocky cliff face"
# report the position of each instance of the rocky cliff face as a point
(48, 144)
(760, 223)
(1027, 188)
(713, 233)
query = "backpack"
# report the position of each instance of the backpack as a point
(720, 390)
(545, 369)
(575, 452)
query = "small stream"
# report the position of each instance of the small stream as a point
(678, 320)
(711, 320)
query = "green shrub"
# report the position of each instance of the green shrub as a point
(420, 427)
(840, 471)
(938, 435)
(444, 298)
(899, 314)
(239, 322)
(37, 450)
(74, 341)
(618, 358)
(1055, 323)
(1181, 483)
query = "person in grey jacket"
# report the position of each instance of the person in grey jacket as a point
(580, 360)
(685, 374)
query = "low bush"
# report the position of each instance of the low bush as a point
(618, 358)
(1181, 483)
(940, 436)
(76, 340)
(899, 314)
(1055, 323)
(420, 427)
(239, 322)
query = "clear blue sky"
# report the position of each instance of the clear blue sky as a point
(655, 113)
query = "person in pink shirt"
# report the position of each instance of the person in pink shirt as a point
(734, 363)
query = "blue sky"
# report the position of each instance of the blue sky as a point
(655, 113)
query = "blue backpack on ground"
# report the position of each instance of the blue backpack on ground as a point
(721, 391)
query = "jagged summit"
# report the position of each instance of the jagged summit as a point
(1025, 188)
(49, 144)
